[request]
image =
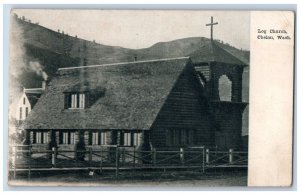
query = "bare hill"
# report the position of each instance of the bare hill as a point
(45, 50)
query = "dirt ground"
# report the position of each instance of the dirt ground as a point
(177, 179)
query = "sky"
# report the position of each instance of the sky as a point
(138, 29)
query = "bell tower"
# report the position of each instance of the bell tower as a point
(221, 75)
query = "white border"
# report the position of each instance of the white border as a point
(208, 4)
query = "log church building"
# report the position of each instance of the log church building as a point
(163, 104)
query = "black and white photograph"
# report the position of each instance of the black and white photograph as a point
(129, 97)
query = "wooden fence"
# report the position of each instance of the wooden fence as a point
(24, 158)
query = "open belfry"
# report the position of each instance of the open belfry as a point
(221, 74)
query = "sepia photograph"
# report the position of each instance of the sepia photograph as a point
(128, 97)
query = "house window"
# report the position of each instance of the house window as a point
(68, 138)
(180, 137)
(24, 100)
(26, 111)
(130, 139)
(99, 138)
(77, 100)
(21, 113)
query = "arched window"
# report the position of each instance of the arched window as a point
(225, 87)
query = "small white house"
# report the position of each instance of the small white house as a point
(27, 101)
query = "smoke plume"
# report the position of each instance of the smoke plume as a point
(19, 64)
(38, 69)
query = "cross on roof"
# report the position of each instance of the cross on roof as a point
(211, 27)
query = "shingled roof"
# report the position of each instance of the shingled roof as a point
(213, 53)
(133, 94)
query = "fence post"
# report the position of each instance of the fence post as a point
(207, 155)
(14, 163)
(154, 156)
(134, 156)
(231, 159)
(182, 156)
(90, 156)
(29, 169)
(203, 159)
(54, 153)
(117, 162)
(123, 156)
(215, 157)
(101, 158)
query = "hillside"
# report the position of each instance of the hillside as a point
(43, 51)
(55, 49)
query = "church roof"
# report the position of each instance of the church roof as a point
(213, 53)
(132, 95)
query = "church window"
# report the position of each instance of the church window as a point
(45, 137)
(99, 138)
(130, 139)
(127, 139)
(103, 138)
(41, 138)
(177, 137)
(67, 138)
(95, 138)
(77, 101)
(38, 138)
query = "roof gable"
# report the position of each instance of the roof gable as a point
(33, 98)
(213, 53)
(133, 95)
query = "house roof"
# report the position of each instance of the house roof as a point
(33, 94)
(133, 94)
(34, 90)
(214, 53)
(33, 98)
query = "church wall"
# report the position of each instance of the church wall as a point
(186, 108)
(228, 118)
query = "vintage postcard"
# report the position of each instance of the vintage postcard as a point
(150, 97)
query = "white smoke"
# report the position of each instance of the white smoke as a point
(18, 63)
(38, 68)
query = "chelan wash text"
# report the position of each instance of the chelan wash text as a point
(272, 34)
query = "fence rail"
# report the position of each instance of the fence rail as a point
(24, 158)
